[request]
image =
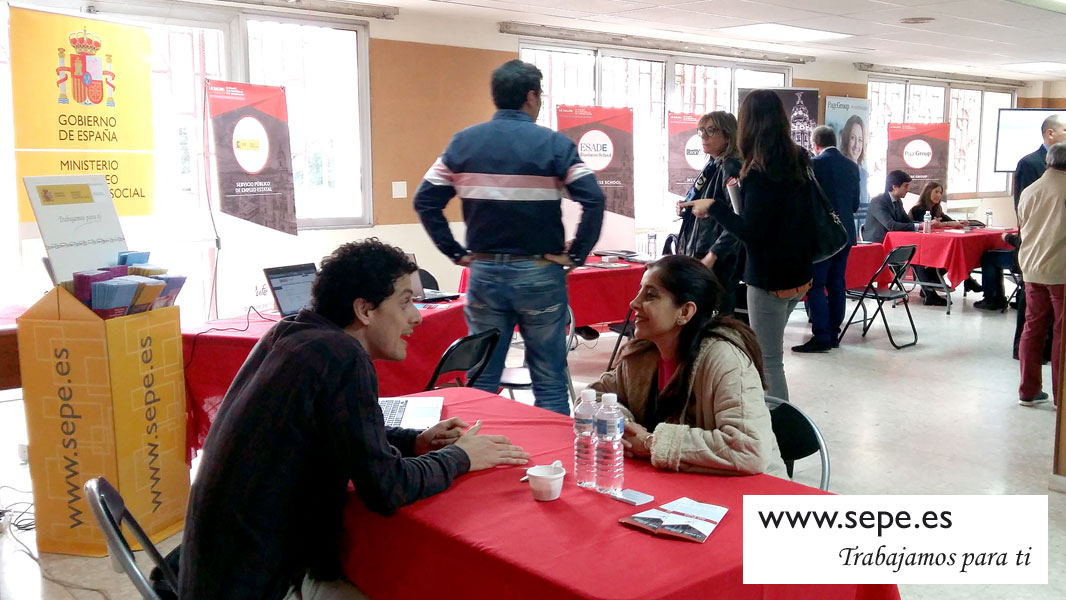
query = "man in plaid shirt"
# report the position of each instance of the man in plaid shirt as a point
(299, 422)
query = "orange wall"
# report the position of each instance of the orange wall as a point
(420, 95)
(831, 88)
(1041, 102)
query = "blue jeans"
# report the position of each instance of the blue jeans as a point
(828, 313)
(993, 263)
(531, 295)
(768, 315)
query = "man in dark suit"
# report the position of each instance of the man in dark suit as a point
(886, 214)
(839, 178)
(1029, 169)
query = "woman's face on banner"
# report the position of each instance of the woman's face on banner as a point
(854, 142)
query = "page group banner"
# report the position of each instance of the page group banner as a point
(920, 150)
(250, 124)
(82, 104)
(850, 118)
(684, 152)
(604, 138)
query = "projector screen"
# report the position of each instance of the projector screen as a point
(1019, 134)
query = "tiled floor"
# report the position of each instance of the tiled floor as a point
(938, 418)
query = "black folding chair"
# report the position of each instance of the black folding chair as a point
(624, 330)
(897, 262)
(111, 514)
(470, 354)
(797, 436)
(428, 280)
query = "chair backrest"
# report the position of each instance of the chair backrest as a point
(470, 354)
(898, 259)
(670, 245)
(110, 513)
(797, 435)
(427, 279)
(862, 232)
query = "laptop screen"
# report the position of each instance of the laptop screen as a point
(291, 286)
(416, 281)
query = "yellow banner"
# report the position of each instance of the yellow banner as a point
(82, 87)
(131, 176)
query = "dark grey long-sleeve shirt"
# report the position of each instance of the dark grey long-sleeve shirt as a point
(299, 422)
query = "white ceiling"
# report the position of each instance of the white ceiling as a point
(966, 36)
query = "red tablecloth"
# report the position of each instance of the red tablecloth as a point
(596, 295)
(959, 253)
(487, 538)
(213, 357)
(863, 261)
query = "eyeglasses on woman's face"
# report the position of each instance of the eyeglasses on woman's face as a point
(707, 131)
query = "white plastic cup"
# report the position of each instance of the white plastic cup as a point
(546, 481)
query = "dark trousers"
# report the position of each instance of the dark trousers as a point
(726, 272)
(993, 263)
(826, 298)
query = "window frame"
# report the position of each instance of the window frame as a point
(232, 21)
(240, 66)
(948, 87)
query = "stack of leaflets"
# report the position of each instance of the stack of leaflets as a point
(131, 257)
(148, 289)
(683, 518)
(146, 270)
(83, 283)
(170, 291)
(112, 298)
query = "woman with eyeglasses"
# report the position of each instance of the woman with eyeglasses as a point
(702, 236)
(775, 224)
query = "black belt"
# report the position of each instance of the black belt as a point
(488, 256)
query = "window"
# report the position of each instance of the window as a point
(569, 78)
(316, 67)
(972, 114)
(638, 84)
(701, 89)
(649, 83)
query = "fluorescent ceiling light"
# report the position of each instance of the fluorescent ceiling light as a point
(1036, 67)
(336, 8)
(646, 43)
(937, 75)
(782, 33)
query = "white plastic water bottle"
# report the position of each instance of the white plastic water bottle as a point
(988, 217)
(610, 423)
(585, 440)
(927, 223)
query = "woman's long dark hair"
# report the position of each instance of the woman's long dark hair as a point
(926, 200)
(765, 139)
(689, 280)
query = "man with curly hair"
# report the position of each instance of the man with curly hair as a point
(299, 422)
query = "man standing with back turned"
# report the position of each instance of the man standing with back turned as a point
(510, 173)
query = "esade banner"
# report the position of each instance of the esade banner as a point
(250, 124)
(604, 138)
(82, 104)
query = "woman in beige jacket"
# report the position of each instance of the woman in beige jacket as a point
(693, 378)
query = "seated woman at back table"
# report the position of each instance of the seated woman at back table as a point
(693, 378)
(932, 201)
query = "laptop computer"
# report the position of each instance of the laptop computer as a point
(291, 286)
(426, 294)
(411, 413)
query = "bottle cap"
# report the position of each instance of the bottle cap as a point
(610, 398)
(588, 395)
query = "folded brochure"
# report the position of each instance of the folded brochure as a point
(683, 518)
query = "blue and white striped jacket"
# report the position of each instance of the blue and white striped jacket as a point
(511, 175)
